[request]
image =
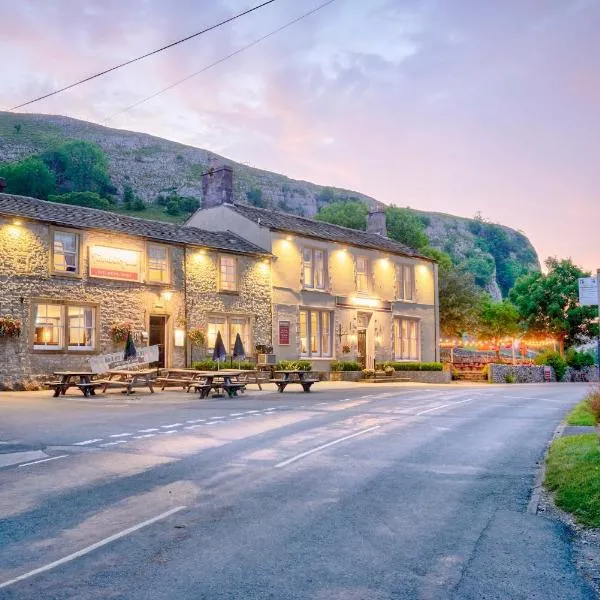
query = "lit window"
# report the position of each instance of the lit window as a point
(66, 252)
(48, 327)
(313, 263)
(229, 328)
(238, 325)
(315, 333)
(362, 275)
(81, 327)
(406, 339)
(228, 273)
(215, 324)
(405, 282)
(158, 264)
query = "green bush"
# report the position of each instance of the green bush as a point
(579, 360)
(414, 366)
(510, 378)
(88, 199)
(293, 365)
(368, 373)
(345, 365)
(551, 358)
(211, 365)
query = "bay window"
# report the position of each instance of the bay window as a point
(315, 333)
(406, 339)
(405, 282)
(313, 268)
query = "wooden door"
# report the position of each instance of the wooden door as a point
(158, 337)
(362, 347)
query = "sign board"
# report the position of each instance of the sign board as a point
(547, 373)
(588, 291)
(359, 302)
(115, 263)
(104, 362)
(284, 333)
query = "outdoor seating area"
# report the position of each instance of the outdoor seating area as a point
(293, 377)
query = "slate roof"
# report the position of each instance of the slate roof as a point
(319, 229)
(80, 217)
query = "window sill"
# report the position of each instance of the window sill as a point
(318, 290)
(64, 351)
(66, 275)
(230, 292)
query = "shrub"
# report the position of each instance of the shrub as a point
(593, 403)
(389, 370)
(579, 360)
(510, 378)
(415, 366)
(197, 336)
(368, 373)
(345, 365)
(138, 204)
(212, 365)
(551, 358)
(293, 365)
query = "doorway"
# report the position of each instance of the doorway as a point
(158, 337)
(362, 348)
(364, 355)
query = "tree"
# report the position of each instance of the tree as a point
(89, 199)
(255, 197)
(347, 213)
(173, 206)
(497, 320)
(128, 196)
(548, 304)
(459, 299)
(404, 226)
(29, 177)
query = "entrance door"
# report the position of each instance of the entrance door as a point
(362, 347)
(158, 336)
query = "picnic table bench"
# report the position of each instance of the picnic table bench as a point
(179, 377)
(128, 378)
(294, 377)
(228, 381)
(69, 379)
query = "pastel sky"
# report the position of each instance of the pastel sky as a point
(456, 106)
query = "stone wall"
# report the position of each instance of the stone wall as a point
(585, 374)
(426, 376)
(521, 373)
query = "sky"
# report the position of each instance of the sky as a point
(457, 106)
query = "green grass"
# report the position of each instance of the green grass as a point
(573, 474)
(581, 415)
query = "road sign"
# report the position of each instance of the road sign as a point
(588, 291)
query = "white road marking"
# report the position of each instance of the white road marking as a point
(143, 437)
(113, 443)
(167, 432)
(35, 462)
(251, 412)
(271, 408)
(423, 412)
(196, 421)
(172, 425)
(148, 430)
(240, 418)
(338, 441)
(92, 547)
(235, 414)
(194, 426)
(320, 403)
(119, 435)
(217, 417)
(86, 442)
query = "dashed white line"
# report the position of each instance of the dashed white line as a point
(168, 432)
(86, 442)
(423, 412)
(217, 417)
(196, 421)
(251, 412)
(92, 547)
(113, 443)
(194, 426)
(172, 425)
(119, 435)
(148, 430)
(235, 414)
(43, 460)
(143, 437)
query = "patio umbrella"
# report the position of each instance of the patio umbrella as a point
(238, 350)
(219, 352)
(130, 351)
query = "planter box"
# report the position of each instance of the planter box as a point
(266, 359)
(345, 376)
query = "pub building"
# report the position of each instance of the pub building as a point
(72, 277)
(338, 293)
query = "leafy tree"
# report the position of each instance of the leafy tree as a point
(189, 204)
(347, 213)
(255, 197)
(548, 304)
(553, 359)
(497, 320)
(128, 196)
(138, 204)
(459, 299)
(579, 360)
(29, 177)
(325, 196)
(173, 207)
(404, 226)
(17, 127)
(89, 199)
(482, 266)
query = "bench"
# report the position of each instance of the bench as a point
(202, 388)
(232, 389)
(88, 389)
(58, 386)
(283, 383)
(184, 383)
(128, 385)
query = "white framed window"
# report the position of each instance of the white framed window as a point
(65, 252)
(315, 333)
(407, 338)
(48, 326)
(405, 282)
(228, 280)
(158, 264)
(314, 268)
(81, 327)
(362, 275)
(229, 326)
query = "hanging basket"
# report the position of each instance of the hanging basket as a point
(119, 331)
(9, 327)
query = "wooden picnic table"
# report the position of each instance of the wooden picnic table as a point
(128, 378)
(294, 377)
(179, 376)
(68, 379)
(228, 381)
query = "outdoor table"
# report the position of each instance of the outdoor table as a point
(128, 378)
(184, 377)
(67, 380)
(229, 379)
(294, 376)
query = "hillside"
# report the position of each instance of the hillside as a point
(153, 166)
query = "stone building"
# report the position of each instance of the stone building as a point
(70, 274)
(338, 293)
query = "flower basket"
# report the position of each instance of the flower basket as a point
(197, 337)
(119, 331)
(9, 327)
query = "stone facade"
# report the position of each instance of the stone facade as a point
(520, 373)
(586, 374)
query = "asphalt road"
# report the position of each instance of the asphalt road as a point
(373, 493)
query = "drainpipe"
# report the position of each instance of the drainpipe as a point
(185, 308)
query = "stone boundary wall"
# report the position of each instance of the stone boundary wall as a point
(522, 373)
(585, 374)
(426, 376)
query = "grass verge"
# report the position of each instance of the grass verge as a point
(581, 415)
(573, 474)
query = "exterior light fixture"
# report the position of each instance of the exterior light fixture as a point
(17, 222)
(166, 295)
(289, 238)
(179, 337)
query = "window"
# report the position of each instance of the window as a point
(362, 275)
(61, 326)
(81, 327)
(228, 273)
(65, 257)
(229, 326)
(405, 282)
(158, 264)
(315, 333)
(406, 339)
(313, 263)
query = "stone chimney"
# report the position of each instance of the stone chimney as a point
(217, 186)
(2, 184)
(376, 222)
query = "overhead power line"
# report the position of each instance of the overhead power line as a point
(221, 60)
(133, 60)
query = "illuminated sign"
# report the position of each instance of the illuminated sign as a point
(115, 263)
(363, 302)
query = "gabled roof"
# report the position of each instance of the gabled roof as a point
(80, 217)
(286, 222)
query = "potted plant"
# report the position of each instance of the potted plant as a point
(119, 331)
(265, 354)
(10, 327)
(389, 370)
